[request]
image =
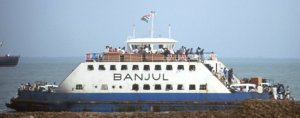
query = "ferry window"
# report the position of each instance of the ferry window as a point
(180, 67)
(96, 86)
(101, 67)
(123, 67)
(146, 67)
(192, 87)
(180, 87)
(157, 67)
(192, 68)
(251, 88)
(90, 67)
(135, 67)
(169, 87)
(113, 67)
(157, 87)
(146, 87)
(120, 87)
(169, 67)
(135, 87)
(79, 87)
(113, 87)
(104, 87)
(203, 86)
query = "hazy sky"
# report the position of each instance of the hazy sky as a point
(232, 28)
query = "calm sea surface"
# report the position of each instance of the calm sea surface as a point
(285, 71)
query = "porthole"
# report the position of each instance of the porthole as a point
(135, 87)
(192, 68)
(146, 87)
(123, 67)
(101, 67)
(79, 87)
(113, 67)
(169, 67)
(169, 87)
(135, 67)
(157, 87)
(104, 87)
(90, 67)
(203, 86)
(146, 67)
(179, 87)
(180, 67)
(157, 67)
(192, 87)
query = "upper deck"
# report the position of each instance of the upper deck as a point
(149, 50)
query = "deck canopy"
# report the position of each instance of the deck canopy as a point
(153, 44)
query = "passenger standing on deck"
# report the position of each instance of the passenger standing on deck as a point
(225, 72)
(213, 56)
(274, 90)
(198, 51)
(146, 49)
(123, 50)
(187, 51)
(106, 49)
(287, 93)
(166, 52)
(230, 75)
(201, 54)
(191, 51)
(119, 50)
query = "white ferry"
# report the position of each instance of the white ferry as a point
(149, 76)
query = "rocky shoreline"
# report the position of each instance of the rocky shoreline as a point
(248, 109)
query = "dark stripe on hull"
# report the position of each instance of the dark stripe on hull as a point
(113, 102)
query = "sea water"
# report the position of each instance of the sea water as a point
(52, 70)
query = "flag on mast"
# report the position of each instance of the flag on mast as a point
(1, 43)
(146, 17)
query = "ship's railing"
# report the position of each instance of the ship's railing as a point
(38, 86)
(146, 57)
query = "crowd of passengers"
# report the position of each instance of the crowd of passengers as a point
(277, 91)
(37, 86)
(147, 50)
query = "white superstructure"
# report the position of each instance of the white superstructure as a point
(147, 71)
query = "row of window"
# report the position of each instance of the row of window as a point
(169, 87)
(145, 67)
(136, 87)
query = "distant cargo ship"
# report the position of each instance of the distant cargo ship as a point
(8, 60)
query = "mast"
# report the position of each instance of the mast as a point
(169, 31)
(133, 31)
(152, 23)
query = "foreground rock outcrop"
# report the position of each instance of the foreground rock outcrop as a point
(248, 109)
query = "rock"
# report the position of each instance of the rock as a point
(248, 109)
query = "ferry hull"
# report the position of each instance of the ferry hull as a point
(121, 102)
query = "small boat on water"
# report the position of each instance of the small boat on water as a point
(8, 60)
(148, 75)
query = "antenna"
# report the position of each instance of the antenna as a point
(133, 31)
(152, 23)
(169, 31)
